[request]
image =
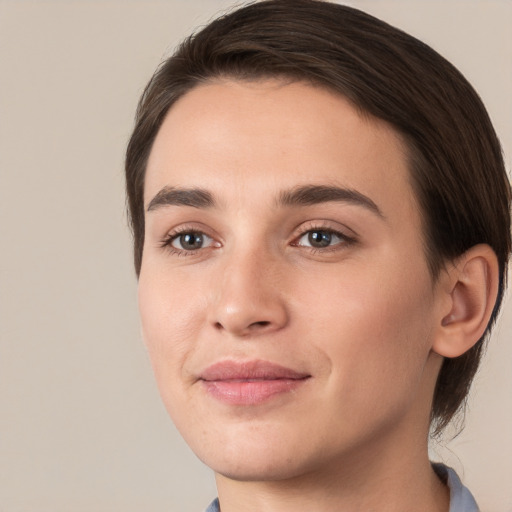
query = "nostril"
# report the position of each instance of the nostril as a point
(253, 326)
(263, 323)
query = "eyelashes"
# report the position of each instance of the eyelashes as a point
(191, 241)
(314, 238)
(321, 238)
(187, 242)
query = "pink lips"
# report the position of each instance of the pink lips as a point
(249, 383)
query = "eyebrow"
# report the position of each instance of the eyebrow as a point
(316, 194)
(194, 197)
(306, 195)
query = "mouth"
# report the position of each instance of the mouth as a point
(250, 383)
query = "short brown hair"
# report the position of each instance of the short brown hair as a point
(455, 159)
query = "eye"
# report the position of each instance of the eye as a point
(320, 238)
(189, 241)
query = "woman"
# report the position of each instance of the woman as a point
(321, 230)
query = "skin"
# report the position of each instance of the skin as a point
(360, 316)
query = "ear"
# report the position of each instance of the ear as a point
(469, 289)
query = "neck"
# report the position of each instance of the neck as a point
(390, 472)
(375, 481)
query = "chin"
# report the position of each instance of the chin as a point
(271, 455)
(246, 470)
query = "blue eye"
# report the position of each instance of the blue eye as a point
(320, 238)
(190, 241)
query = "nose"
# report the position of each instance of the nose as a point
(248, 296)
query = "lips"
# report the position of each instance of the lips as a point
(249, 383)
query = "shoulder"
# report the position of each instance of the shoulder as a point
(214, 506)
(461, 499)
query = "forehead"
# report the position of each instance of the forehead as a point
(257, 138)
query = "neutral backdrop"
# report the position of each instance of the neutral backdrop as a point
(81, 424)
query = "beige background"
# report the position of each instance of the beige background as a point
(81, 424)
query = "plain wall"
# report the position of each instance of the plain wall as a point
(81, 424)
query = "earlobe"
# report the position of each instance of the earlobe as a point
(472, 287)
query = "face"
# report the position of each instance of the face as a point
(284, 293)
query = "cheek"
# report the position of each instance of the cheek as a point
(169, 314)
(372, 327)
